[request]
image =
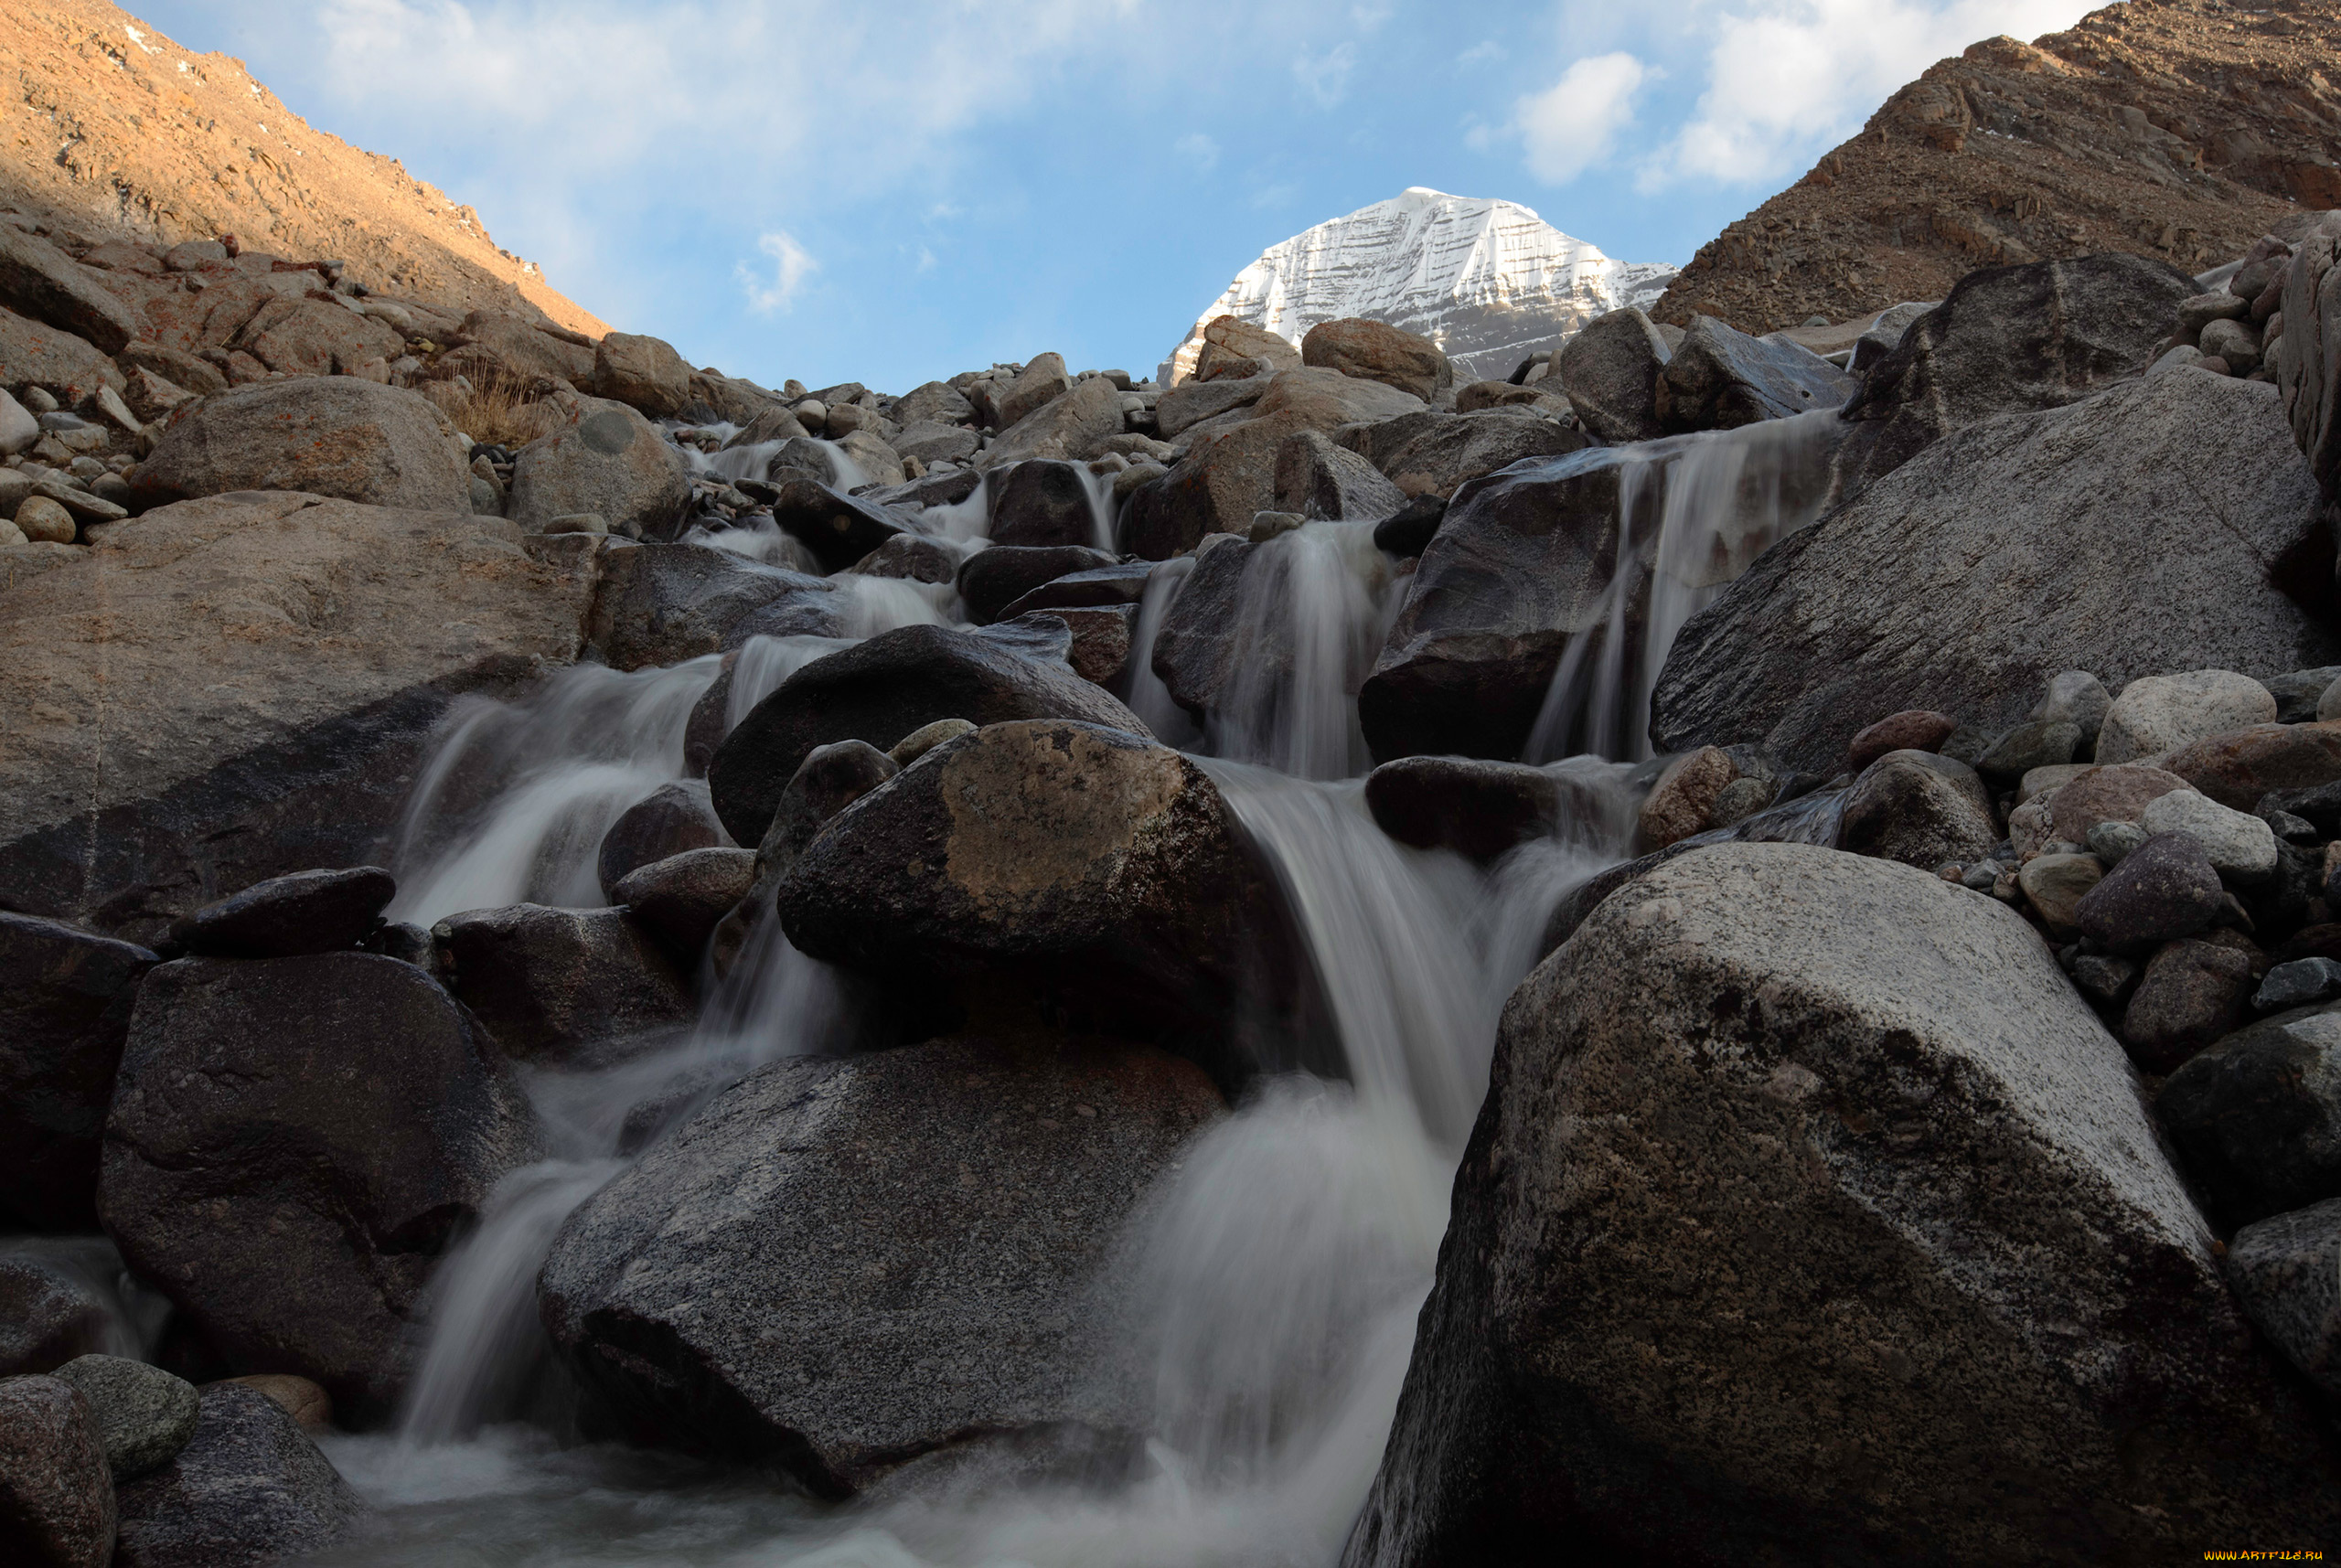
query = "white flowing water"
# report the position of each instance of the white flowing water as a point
(1283, 1264)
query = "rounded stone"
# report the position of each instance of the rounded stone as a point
(44, 521)
(145, 1415)
(2055, 883)
(925, 738)
(2164, 889)
(2193, 992)
(1912, 730)
(57, 1501)
(2160, 713)
(306, 1403)
(2237, 844)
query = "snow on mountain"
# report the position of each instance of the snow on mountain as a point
(1489, 282)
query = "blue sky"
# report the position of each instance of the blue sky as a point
(891, 193)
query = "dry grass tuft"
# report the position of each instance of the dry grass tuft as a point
(500, 410)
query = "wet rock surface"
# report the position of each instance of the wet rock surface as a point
(1706, 1046)
(56, 1497)
(662, 604)
(561, 985)
(249, 1488)
(286, 917)
(65, 1001)
(761, 1284)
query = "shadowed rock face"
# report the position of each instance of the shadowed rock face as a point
(293, 1143)
(1807, 1206)
(250, 1487)
(846, 1264)
(316, 697)
(2189, 482)
(65, 1001)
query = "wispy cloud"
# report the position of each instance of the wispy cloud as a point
(792, 264)
(1480, 53)
(1198, 150)
(1572, 124)
(1324, 78)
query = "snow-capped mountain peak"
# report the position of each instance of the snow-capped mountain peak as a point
(1488, 281)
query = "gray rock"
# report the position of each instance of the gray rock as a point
(563, 986)
(61, 1297)
(1885, 333)
(18, 428)
(2257, 1117)
(325, 435)
(1075, 427)
(2079, 698)
(39, 281)
(1610, 371)
(1917, 808)
(2196, 312)
(2036, 743)
(2105, 979)
(1063, 859)
(2304, 360)
(935, 400)
(1478, 809)
(2012, 340)
(57, 1498)
(2286, 1271)
(880, 691)
(1376, 351)
(2299, 692)
(65, 1001)
(285, 917)
(843, 1264)
(2160, 713)
(644, 373)
(2237, 844)
(681, 899)
(2164, 889)
(931, 442)
(2191, 994)
(2298, 984)
(1714, 1053)
(839, 529)
(293, 1143)
(611, 462)
(250, 1489)
(1099, 587)
(668, 821)
(658, 605)
(1435, 453)
(991, 579)
(1319, 479)
(1190, 402)
(1877, 606)
(145, 1416)
(1041, 382)
(1720, 379)
(2236, 342)
(911, 558)
(1043, 504)
(1410, 531)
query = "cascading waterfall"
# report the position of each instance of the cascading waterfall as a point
(1285, 1262)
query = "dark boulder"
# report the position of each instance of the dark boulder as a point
(2286, 1271)
(2257, 1117)
(839, 529)
(56, 1497)
(2012, 340)
(1316, 478)
(681, 899)
(1435, 453)
(1478, 809)
(880, 691)
(1919, 809)
(658, 604)
(843, 1265)
(2191, 994)
(1910, 1154)
(288, 917)
(1408, 530)
(59, 1299)
(913, 558)
(65, 1001)
(668, 820)
(991, 579)
(293, 1143)
(2164, 889)
(2190, 477)
(831, 778)
(1720, 379)
(562, 985)
(1099, 587)
(1043, 504)
(249, 1488)
(1082, 869)
(1609, 371)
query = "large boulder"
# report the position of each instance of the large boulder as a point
(1043, 503)
(1812, 1217)
(249, 1488)
(317, 693)
(39, 281)
(2306, 357)
(1229, 476)
(313, 337)
(2257, 1117)
(1433, 454)
(838, 528)
(33, 354)
(2012, 340)
(662, 604)
(145, 1415)
(1058, 859)
(843, 1264)
(65, 1001)
(2150, 528)
(56, 1497)
(286, 917)
(644, 373)
(1316, 478)
(1190, 403)
(991, 579)
(882, 691)
(555, 984)
(1376, 351)
(1074, 425)
(325, 435)
(611, 462)
(1609, 372)
(294, 1145)
(62, 1297)
(523, 348)
(1719, 379)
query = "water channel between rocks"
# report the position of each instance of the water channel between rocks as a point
(1285, 1264)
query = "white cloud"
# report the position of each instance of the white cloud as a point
(792, 264)
(1199, 150)
(1787, 78)
(1480, 53)
(1572, 124)
(1326, 78)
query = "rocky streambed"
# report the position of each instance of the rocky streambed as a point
(1707, 951)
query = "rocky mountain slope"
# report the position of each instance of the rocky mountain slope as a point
(2180, 128)
(1489, 282)
(114, 130)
